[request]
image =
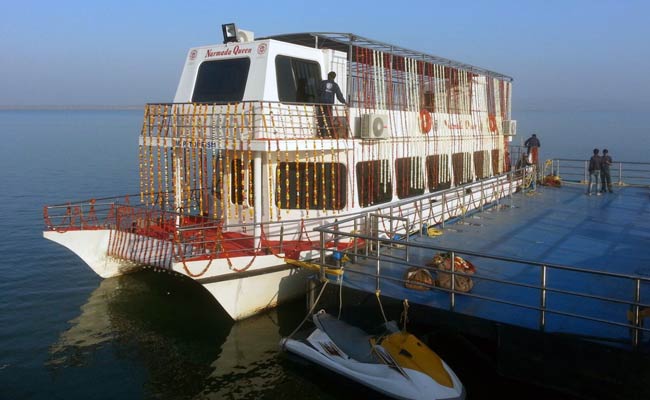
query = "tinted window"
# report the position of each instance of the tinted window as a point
(374, 182)
(480, 164)
(409, 177)
(237, 182)
(221, 81)
(462, 168)
(438, 176)
(307, 185)
(297, 79)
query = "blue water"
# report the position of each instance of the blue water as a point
(66, 334)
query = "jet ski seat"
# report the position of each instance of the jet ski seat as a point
(353, 341)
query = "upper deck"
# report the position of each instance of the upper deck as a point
(373, 76)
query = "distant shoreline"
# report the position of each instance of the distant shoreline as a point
(70, 108)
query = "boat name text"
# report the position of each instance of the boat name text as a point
(228, 52)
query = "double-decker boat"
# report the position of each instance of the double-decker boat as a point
(236, 173)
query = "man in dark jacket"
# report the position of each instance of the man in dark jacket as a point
(605, 177)
(532, 144)
(594, 172)
(326, 92)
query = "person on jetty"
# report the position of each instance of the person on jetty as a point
(594, 172)
(605, 177)
(532, 144)
(326, 92)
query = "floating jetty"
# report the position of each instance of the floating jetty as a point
(555, 274)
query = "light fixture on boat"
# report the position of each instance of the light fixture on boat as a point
(229, 32)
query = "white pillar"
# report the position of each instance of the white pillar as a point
(257, 190)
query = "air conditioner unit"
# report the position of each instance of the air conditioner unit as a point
(509, 127)
(374, 126)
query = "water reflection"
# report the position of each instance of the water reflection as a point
(161, 336)
(157, 332)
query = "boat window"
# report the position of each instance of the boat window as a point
(297, 79)
(497, 163)
(312, 186)
(221, 81)
(409, 177)
(438, 176)
(481, 164)
(240, 186)
(374, 182)
(461, 164)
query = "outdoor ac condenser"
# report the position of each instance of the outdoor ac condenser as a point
(509, 127)
(374, 126)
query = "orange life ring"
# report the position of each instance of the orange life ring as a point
(425, 121)
(492, 120)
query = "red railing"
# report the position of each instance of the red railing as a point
(151, 236)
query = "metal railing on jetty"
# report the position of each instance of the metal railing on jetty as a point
(384, 250)
(623, 173)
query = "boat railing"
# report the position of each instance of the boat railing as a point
(213, 125)
(440, 208)
(107, 212)
(384, 258)
(623, 173)
(192, 236)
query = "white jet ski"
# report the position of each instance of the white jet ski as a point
(396, 364)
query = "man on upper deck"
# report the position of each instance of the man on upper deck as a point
(328, 89)
(532, 144)
(326, 92)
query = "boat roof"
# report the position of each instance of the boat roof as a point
(345, 41)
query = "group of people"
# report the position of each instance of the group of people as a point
(599, 166)
(599, 172)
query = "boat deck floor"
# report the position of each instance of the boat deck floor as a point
(561, 226)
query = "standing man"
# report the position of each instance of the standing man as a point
(594, 172)
(532, 144)
(326, 92)
(605, 177)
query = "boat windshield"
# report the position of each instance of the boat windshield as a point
(221, 81)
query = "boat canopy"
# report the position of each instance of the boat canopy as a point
(346, 42)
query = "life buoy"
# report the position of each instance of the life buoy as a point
(425, 121)
(493, 123)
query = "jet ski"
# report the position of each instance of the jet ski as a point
(394, 363)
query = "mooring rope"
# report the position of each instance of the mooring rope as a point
(309, 313)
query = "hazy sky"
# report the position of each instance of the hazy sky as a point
(562, 54)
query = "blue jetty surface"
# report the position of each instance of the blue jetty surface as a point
(553, 259)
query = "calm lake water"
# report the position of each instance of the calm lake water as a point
(67, 334)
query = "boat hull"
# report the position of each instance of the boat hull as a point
(267, 281)
(92, 247)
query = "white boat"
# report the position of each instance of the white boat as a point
(236, 173)
(396, 363)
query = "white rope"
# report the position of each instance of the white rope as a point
(309, 313)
